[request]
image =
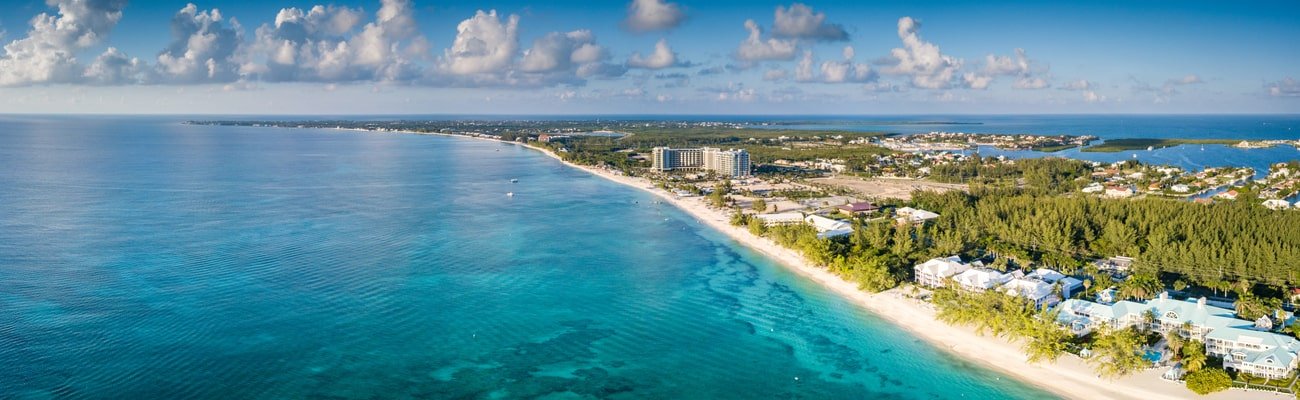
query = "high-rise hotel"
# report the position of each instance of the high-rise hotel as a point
(732, 163)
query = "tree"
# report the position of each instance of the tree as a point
(1140, 287)
(1208, 381)
(1175, 342)
(1046, 339)
(1193, 356)
(1179, 285)
(1115, 353)
(758, 205)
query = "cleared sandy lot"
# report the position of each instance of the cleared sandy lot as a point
(892, 188)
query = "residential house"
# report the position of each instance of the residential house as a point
(914, 215)
(1069, 285)
(858, 208)
(1275, 204)
(1035, 290)
(934, 272)
(828, 228)
(1118, 192)
(981, 279)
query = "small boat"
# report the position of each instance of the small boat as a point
(510, 194)
(1149, 148)
(514, 181)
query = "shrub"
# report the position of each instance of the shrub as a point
(1208, 380)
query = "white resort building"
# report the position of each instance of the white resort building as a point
(731, 163)
(981, 279)
(1245, 346)
(932, 273)
(827, 227)
(914, 215)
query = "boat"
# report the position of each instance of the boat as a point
(510, 194)
(514, 181)
(1149, 148)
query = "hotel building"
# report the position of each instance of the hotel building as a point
(730, 163)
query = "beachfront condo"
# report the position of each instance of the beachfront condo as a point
(1245, 346)
(731, 163)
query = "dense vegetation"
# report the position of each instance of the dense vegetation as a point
(1054, 175)
(1208, 381)
(1004, 316)
(1215, 246)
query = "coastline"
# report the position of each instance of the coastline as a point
(1069, 376)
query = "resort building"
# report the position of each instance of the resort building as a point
(828, 228)
(933, 273)
(730, 163)
(1068, 285)
(785, 218)
(1035, 290)
(1245, 346)
(859, 208)
(914, 215)
(981, 279)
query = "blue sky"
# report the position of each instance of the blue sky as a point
(648, 56)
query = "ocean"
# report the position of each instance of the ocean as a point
(141, 258)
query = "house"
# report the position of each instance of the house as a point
(932, 273)
(914, 215)
(1275, 204)
(1107, 296)
(1069, 285)
(1180, 188)
(981, 279)
(1118, 192)
(785, 218)
(858, 208)
(1094, 188)
(828, 228)
(1242, 344)
(1228, 195)
(1031, 289)
(1116, 264)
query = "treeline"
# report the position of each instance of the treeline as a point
(1051, 174)
(1208, 245)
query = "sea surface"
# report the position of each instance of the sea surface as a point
(145, 259)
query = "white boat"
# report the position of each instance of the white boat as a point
(514, 181)
(510, 194)
(1149, 148)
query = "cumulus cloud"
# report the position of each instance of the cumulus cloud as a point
(484, 45)
(1025, 71)
(652, 15)
(662, 57)
(114, 67)
(778, 74)
(48, 53)
(800, 22)
(1093, 97)
(202, 48)
(324, 44)
(754, 48)
(1287, 87)
(845, 71)
(920, 60)
(733, 92)
(976, 81)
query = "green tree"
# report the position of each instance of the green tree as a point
(1175, 342)
(1208, 381)
(1140, 287)
(758, 205)
(1115, 353)
(1193, 356)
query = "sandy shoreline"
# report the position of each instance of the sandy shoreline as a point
(1069, 377)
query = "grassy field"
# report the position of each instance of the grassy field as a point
(1116, 145)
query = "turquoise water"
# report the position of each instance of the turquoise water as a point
(144, 259)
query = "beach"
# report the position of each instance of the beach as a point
(1068, 377)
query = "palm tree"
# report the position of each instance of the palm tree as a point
(1087, 287)
(1148, 319)
(1193, 356)
(1174, 342)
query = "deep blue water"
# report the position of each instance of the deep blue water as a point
(144, 259)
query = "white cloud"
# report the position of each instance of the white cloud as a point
(1093, 97)
(1030, 82)
(800, 22)
(1019, 66)
(48, 53)
(324, 44)
(202, 48)
(483, 45)
(754, 48)
(1287, 87)
(114, 67)
(921, 60)
(653, 15)
(976, 81)
(845, 71)
(556, 51)
(662, 57)
(778, 74)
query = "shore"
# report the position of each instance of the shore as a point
(1068, 377)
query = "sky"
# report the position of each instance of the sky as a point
(648, 57)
